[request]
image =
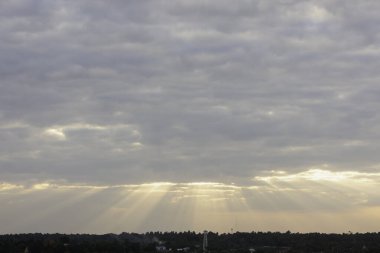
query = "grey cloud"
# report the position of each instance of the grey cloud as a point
(217, 92)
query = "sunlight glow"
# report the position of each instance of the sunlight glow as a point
(277, 200)
(315, 174)
(42, 186)
(55, 133)
(9, 186)
(60, 132)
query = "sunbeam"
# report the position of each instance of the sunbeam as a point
(278, 200)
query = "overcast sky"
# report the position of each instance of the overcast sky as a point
(274, 103)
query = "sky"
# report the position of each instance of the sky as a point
(129, 115)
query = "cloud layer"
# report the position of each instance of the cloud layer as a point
(201, 91)
(132, 92)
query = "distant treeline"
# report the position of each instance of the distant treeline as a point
(191, 242)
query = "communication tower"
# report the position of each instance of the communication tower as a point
(205, 242)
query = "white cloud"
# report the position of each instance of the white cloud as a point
(55, 133)
(318, 14)
(321, 174)
(9, 186)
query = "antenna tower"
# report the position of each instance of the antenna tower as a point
(205, 242)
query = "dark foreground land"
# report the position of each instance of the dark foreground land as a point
(191, 242)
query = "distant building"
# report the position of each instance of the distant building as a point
(161, 248)
(186, 249)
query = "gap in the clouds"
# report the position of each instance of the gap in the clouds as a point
(335, 200)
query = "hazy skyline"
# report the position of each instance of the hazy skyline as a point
(179, 115)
